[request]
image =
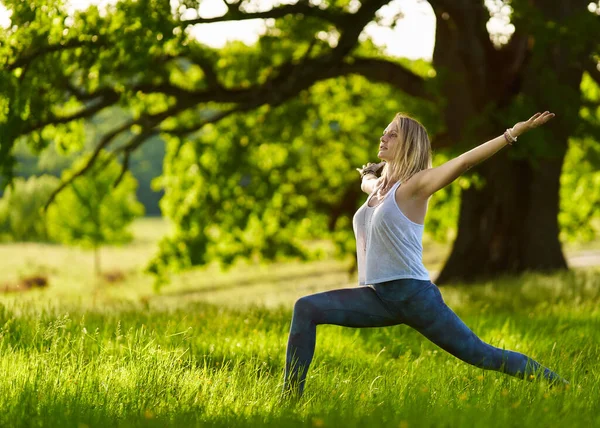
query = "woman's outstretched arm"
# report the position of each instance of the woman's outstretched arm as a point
(369, 179)
(369, 182)
(429, 181)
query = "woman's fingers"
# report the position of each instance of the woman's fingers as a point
(540, 118)
(535, 116)
(545, 117)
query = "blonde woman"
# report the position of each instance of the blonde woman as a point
(394, 285)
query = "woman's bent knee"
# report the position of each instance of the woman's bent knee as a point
(304, 307)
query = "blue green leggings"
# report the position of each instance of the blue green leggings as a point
(416, 303)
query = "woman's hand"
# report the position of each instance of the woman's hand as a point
(536, 120)
(370, 167)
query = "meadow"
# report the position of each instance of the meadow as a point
(208, 350)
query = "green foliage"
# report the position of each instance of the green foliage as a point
(579, 216)
(580, 192)
(91, 212)
(21, 216)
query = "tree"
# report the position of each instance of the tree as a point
(140, 56)
(90, 213)
(511, 222)
(21, 217)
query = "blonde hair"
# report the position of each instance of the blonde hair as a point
(411, 155)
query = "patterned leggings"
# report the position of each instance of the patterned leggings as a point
(416, 303)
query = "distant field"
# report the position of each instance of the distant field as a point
(70, 272)
(209, 349)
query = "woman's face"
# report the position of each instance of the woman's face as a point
(388, 142)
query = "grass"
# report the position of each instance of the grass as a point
(209, 350)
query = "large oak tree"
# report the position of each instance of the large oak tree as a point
(232, 193)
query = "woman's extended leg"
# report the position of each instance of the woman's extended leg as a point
(349, 307)
(428, 313)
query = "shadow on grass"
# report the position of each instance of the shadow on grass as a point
(276, 280)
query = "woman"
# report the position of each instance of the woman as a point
(397, 288)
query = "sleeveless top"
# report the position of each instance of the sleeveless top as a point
(388, 244)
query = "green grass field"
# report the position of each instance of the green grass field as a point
(209, 349)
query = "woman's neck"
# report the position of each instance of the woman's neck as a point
(384, 187)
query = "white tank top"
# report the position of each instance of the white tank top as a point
(388, 244)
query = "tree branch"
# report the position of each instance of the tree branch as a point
(70, 44)
(124, 169)
(282, 87)
(81, 114)
(384, 71)
(180, 132)
(86, 96)
(207, 67)
(304, 8)
(129, 148)
(354, 26)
